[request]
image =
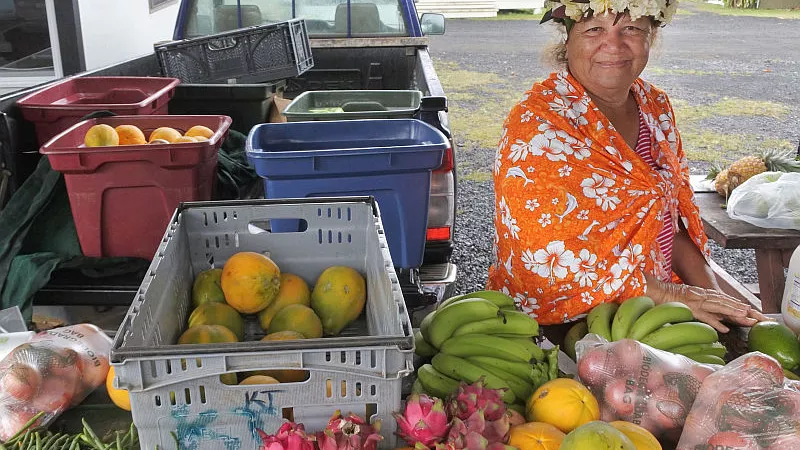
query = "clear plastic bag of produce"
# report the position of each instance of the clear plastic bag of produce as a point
(640, 384)
(747, 405)
(53, 371)
(768, 200)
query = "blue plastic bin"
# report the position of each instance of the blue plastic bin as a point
(390, 159)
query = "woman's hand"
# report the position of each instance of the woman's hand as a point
(708, 305)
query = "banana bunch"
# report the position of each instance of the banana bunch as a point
(482, 335)
(668, 326)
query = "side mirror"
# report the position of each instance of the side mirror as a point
(432, 23)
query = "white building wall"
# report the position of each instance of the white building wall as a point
(117, 30)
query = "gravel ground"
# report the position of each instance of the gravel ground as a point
(701, 59)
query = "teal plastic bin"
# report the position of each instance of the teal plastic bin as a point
(349, 105)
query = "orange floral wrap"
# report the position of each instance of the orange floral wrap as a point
(577, 211)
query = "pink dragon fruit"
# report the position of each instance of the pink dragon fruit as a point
(290, 436)
(349, 433)
(473, 397)
(423, 420)
(468, 434)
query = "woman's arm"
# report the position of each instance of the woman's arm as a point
(690, 264)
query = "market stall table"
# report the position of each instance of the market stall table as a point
(773, 247)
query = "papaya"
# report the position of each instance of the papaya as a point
(218, 314)
(250, 282)
(293, 291)
(207, 288)
(338, 298)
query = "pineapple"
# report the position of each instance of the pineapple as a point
(740, 171)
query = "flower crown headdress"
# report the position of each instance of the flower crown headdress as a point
(570, 11)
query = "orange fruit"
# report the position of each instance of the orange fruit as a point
(120, 397)
(250, 281)
(168, 134)
(199, 130)
(299, 318)
(293, 291)
(207, 334)
(101, 135)
(258, 379)
(535, 436)
(130, 135)
(338, 297)
(564, 403)
(218, 314)
(185, 139)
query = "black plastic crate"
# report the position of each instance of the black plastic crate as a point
(247, 104)
(255, 54)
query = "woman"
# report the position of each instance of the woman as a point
(593, 202)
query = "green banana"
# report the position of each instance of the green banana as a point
(458, 313)
(468, 345)
(575, 334)
(659, 315)
(461, 369)
(509, 308)
(422, 347)
(417, 387)
(715, 348)
(672, 336)
(519, 369)
(425, 325)
(498, 298)
(519, 386)
(706, 359)
(791, 375)
(514, 323)
(536, 352)
(630, 310)
(435, 382)
(599, 319)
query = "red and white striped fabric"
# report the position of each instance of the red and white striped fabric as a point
(667, 235)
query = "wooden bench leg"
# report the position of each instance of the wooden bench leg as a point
(769, 264)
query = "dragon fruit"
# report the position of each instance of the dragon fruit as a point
(470, 398)
(349, 433)
(465, 434)
(290, 436)
(423, 420)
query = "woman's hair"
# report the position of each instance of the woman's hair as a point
(554, 54)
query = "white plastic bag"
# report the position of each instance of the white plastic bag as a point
(768, 200)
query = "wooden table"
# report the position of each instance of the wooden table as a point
(773, 246)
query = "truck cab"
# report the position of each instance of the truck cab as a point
(379, 44)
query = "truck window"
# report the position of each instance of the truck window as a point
(324, 18)
(25, 55)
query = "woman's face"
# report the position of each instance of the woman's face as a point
(606, 57)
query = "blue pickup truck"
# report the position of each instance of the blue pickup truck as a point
(355, 45)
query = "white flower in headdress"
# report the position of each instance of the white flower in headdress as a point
(669, 11)
(600, 6)
(575, 11)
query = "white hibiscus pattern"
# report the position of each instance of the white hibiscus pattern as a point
(552, 262)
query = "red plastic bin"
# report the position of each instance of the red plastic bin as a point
(55, 108)
(122, 197)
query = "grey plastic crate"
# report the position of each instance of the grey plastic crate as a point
(349, 105)
(256, 54)
(176, 389)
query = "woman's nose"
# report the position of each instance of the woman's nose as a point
(612, 40)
